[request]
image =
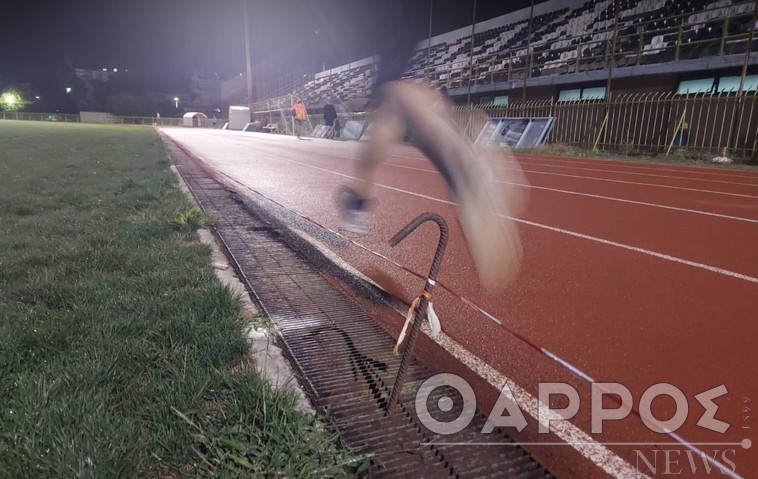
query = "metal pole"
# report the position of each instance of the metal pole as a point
(741, 90)
(248, 58)
(613, 51)
(528, 52)
(429, 47)
(471, 54)
(748, 49)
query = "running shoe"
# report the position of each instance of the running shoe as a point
(354, 215)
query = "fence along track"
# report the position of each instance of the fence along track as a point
(344, 357)
(640, 122)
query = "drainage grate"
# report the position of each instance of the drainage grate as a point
(344, 357)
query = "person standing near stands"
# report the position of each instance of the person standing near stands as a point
(470, 173)
(330, 115)
(298, 112)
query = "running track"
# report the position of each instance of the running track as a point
(633, 273)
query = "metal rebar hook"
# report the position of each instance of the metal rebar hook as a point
(423, 298)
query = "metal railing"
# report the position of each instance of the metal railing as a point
(631, 49)
(653, 122)
(22, 115)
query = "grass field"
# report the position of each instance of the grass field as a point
(116, 341)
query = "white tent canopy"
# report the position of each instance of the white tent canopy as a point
(194, 118)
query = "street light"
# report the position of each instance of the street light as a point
(176, 102)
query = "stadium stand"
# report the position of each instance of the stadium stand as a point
(566, 38)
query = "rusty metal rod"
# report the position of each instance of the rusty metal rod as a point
(423, 303)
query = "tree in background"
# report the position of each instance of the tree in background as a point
(11, 100)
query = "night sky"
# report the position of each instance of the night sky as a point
(164, 41)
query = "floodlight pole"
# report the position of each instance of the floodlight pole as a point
(471, 54)
(528, 52)
(429, 46)
(249, 73)
(741, 91)
(616, 8)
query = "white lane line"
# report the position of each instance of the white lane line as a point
(637, 166)
(609, 198)
(620, 181)
(697, 190)
(582, 442)
(641, 203)
(648, 252)
(575, 234)
(529, 161)
(609, 163)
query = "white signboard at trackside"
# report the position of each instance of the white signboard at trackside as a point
(239, 116)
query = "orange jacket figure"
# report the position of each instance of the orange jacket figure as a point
(299, 110)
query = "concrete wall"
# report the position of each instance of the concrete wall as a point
(95, 117)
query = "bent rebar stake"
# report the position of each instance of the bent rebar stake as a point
(423, 300)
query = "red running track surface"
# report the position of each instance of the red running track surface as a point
(633, 273)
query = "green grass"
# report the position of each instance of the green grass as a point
(116, 341)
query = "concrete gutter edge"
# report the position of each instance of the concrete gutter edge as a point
(269, 359)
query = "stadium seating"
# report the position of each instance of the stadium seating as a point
(564, 40)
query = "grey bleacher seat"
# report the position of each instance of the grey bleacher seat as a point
(562, 40)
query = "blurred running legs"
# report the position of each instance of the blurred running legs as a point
(481, 179)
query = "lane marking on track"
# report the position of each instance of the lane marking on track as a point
(656, 254)
(628, 182)
(637, 166)
(636, 183)
(528, 160)
(575, 234)
(648, 252)
(592, 450)
(611, 163)
(602, 197)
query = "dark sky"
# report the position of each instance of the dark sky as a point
(165, 40)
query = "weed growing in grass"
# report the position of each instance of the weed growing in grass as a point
(191, 219)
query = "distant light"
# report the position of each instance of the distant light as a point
(176, 98)
(68, 89)
(105, 69)
(115, 70)
(37, 97)
(10, 99)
